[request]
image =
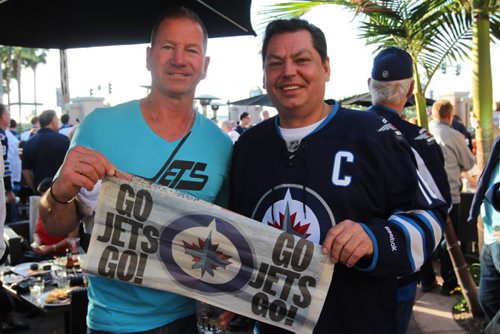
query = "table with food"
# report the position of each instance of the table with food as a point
(46, 284)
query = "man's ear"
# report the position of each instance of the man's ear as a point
(205, 68)
(410, 90)
(148, 57)
(326, 66)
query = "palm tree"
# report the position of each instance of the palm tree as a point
(37, 57)
(432, 31)
(13, 60)
(6, 60)
(482, 90)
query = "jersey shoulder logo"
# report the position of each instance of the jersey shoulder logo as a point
(389, 127)
(423, 134)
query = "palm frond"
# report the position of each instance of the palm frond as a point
(292, 9)
(495, 24)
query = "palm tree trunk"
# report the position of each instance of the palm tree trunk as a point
(9, 76)
(34, 89)
(482, 87)
(469, 288)
(19, 100)
(1, 82)
(419, 99)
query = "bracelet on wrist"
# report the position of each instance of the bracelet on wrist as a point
(58, 200)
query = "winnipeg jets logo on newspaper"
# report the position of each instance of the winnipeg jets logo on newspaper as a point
(206, 256)
(200, 262)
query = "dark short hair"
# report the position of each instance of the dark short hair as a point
(3, 108)
(65, 118)
(244, 115)
(13, 123)
(293, 25)
(34, 120)
(46, 117)
(175, 13)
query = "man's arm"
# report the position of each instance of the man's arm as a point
(83, 167)
(399, 243)
(28, 178)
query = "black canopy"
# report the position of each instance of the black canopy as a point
(259, 100)
(365, 99)
(65, 24)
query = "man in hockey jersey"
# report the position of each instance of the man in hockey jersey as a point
(391, 85)
(341, 178)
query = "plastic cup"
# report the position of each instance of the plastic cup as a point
(207, 318)
(61, 278)
(36, 290)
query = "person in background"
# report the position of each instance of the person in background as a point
(65, 127)
(226, 127)
(44, 153)
(45, 244)
(486, 202)
(413, 120)
(2, 207)
(264, 114)
(391, 85)
(13, 128)
(9, 319)
(167, 131)
(245, 119)
(10, 197)
(340, 178)
(457, 159)
(15, 167)
(26, 135)
(458, 125)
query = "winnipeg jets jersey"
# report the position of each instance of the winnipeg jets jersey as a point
(356, 166)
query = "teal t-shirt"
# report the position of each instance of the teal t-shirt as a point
(491, 217)
(198, 166)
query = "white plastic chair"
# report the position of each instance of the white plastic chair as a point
(33, 214)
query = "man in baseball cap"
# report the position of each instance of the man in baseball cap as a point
(390, 85)
(392, 64)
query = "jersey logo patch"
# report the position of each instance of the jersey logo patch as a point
(425, 135)
(389, 127)
(298, 211)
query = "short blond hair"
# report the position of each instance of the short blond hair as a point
(442, 110)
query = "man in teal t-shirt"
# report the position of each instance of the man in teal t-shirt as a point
(160, 138)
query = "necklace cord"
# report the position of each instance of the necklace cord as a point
(185, 130)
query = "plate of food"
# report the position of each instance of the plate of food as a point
(56, 297)
(12, 279)
(32, 268)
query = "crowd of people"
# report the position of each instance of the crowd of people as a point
(29, 162)
(375, 189)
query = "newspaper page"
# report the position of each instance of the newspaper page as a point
(150, 235)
